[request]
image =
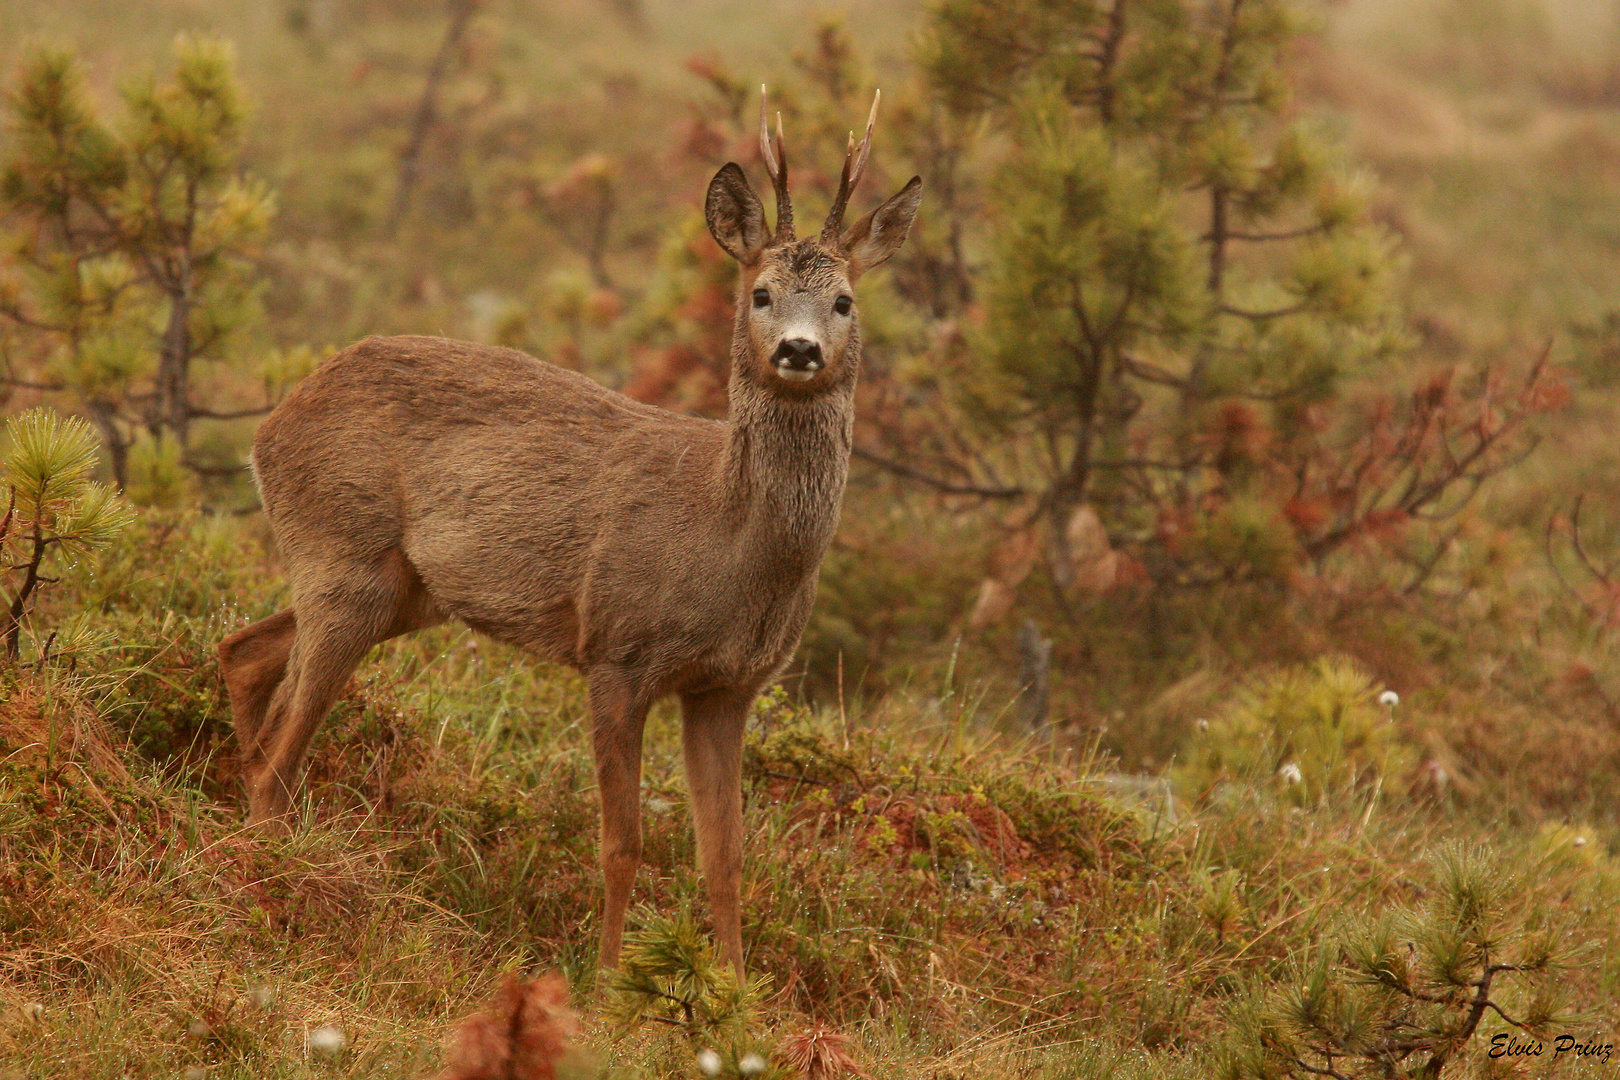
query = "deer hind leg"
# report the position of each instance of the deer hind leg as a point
(338, 621)
(253, 662)
(712, 736)
(618, 716)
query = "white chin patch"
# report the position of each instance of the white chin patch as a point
(795, 375)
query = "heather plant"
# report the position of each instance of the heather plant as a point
(525, 1032)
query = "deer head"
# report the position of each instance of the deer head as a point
(797, 330)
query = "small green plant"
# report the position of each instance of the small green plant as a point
(52, 507)
(669, 975)
(1406, 995)
(1312, 728)
(1220, 902)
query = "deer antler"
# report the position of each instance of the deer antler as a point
(854, 165)
(776, 165)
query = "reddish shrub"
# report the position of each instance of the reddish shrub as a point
(521, 1035)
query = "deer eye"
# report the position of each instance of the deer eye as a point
(843, 304)
(762, 298)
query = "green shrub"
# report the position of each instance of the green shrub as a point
(1314, 727)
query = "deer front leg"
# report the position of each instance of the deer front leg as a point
(618, 714)
(712, 735)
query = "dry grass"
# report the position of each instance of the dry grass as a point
(928, 898)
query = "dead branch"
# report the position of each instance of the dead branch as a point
(427, 109)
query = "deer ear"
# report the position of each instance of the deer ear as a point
(736, 218)
(878, 235)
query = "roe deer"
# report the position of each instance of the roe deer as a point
(411, 480)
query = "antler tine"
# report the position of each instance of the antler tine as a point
(765, 136)
(866, 142)
(854, 165)
(776, 165)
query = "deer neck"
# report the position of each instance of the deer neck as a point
(785, 465)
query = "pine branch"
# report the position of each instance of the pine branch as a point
(27, 385)
(213, 470)
(1151, 373)
(948, 487)
(233, 414)
(1269, 237)
(1263, 316)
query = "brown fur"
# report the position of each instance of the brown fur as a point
(411, 480)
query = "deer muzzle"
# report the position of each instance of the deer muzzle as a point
(797, 359)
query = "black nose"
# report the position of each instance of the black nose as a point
(798, 354)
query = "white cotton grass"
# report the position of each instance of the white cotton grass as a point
(1389, 699)
(1290, 773)
(751, 1065)
(327, 1041)
(710, 1062)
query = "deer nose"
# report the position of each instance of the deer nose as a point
(797, 354)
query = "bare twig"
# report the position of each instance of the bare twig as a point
(427, 108)
(232, 414)
(948, 487)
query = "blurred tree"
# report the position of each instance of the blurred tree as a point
(1180, 277)
(580, 205)
(128, 248)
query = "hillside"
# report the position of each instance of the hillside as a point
(955, 902)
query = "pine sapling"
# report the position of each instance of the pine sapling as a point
(668, 975)
(52, 507)
(1407, 995)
